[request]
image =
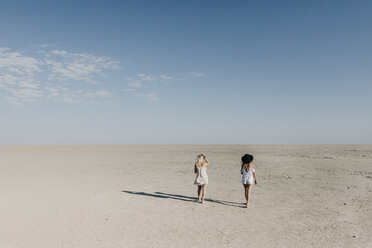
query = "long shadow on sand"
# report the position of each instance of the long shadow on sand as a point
(183, 198)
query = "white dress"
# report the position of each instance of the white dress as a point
(201, 175)
(247, 177)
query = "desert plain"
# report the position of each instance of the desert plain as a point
(143, 196)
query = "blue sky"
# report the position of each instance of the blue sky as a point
(166, 72)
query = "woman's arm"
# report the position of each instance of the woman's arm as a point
(195, 170)
(254, 175)
(241, 169)
(255, 179)
(206, 162)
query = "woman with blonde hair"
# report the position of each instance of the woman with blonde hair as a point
(249, 176)
(200, 169)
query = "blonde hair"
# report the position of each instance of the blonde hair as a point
(200, 159)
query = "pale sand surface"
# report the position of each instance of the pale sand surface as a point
(143, 196)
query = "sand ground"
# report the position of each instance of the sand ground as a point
(143, 196)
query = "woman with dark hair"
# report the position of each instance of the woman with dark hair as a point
(249, 175)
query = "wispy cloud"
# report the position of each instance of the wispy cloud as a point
(142, 85)
(49, 73)
(152, 96)
(53, 75)
(197, 74)
(139, 80)
(15, 62)
(47, 45)
(100, 93)
(76, 66)
(17, 77)
(167, 78)
(135, 84)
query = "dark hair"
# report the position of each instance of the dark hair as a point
(247, 159)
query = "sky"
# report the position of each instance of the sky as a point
(185, 72)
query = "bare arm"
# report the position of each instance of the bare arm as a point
(254, 175)
(206, 162)
(195, 170)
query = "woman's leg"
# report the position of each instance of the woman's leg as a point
(199, 190)
(248, 193)
(204, 186)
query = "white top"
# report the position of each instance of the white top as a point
(201, 175)
(247, 177)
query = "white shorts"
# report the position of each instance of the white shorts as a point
(247, 179)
